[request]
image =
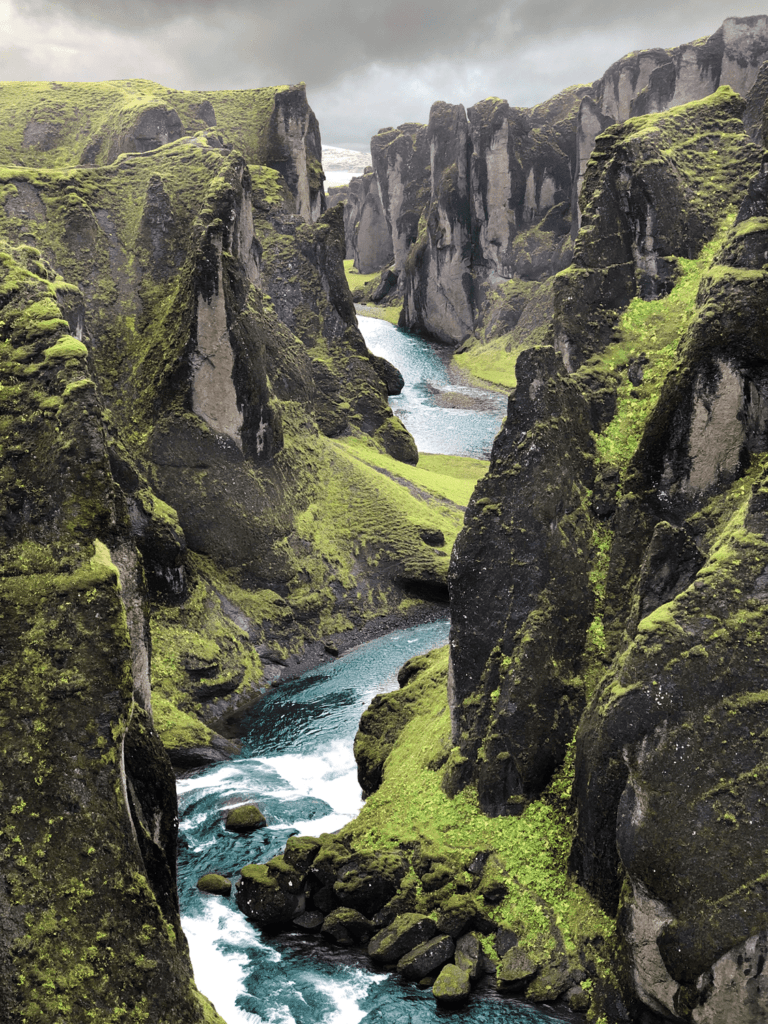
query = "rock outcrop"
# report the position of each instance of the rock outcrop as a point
(180, 361)
(473, 201)
(369, 242)
(649, 81)
(88, 804)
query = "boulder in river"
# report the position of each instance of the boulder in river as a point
(216, 885)
(264, 901)
(347, 927)
(427, 958)
(244, 819)
(452, 986)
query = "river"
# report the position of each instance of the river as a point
(297, 764)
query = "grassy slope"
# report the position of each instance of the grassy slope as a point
(361, 286)
(531, 850)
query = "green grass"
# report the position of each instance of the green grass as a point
(448, 476)
(654, 330)
(532, 849)
(355, 280)
(361, 286)
(389, 313)
(493, 361)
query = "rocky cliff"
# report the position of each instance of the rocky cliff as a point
(515, 216)
(577, 784)
(626, 589)
(192, 435)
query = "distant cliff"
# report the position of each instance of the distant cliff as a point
(482, 206)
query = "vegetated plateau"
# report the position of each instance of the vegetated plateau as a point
(572, 796)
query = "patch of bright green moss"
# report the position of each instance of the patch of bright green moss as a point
(532, 849)
(447, 476)
(177, 729)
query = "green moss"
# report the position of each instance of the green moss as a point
(446, 476)
(492, 353)
(177, 729)
(532, 850)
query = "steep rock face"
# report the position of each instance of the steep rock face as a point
(522, 167)
(366, 227)
(644, 570)
(510, 219)
(88, 803)
(655, 191)
(439, 290)
(650, 81)
(296, 151)
(673, 724)
(401, 163)
(513, 691)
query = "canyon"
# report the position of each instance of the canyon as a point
(204, 491)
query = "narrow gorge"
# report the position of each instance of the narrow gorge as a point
(240, 523)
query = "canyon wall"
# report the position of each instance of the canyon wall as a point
(458, 236)
(183, 511)
(578, 783)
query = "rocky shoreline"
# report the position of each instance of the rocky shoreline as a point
(321, 887)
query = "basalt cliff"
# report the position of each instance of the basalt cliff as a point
(192, 499)
(571, 799)
(471, 216)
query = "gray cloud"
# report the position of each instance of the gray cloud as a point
(367, 65)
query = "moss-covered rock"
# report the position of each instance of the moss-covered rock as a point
(469, 955)
(405, 933)
(216, 885)
(515, 692)
(452, 987)
(426, 959)
(515, 970)
(246, 818)
(264, 901)
(348, 927)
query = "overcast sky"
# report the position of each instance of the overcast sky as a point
(368, 64)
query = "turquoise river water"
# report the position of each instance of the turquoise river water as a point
(297, 764)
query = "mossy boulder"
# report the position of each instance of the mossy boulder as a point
(244, 819)
(348, 927)
(405, 933)
(452, 987)
(264, 901)
(368, 881)
(550, 983)
(216, 885)
(427, 958)
(515, 970)
(469, 955)
(461, 913)
(300, 851)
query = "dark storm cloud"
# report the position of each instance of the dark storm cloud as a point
(310, 40)
(367, 64)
